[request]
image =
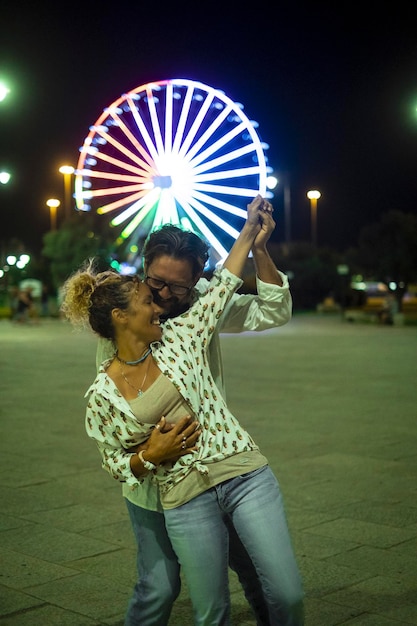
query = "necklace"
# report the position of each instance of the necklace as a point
(142, 358)
(138, 390)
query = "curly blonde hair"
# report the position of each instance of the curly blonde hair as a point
(90, 296)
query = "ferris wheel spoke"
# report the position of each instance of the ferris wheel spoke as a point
(155, 122)
(143, 204)
(148, 163)
(196, 125)
(217, 145)
(179, 133)
(224, 158)
(124, 150)
(109, 176)
(203, 228)
(166, 211)
(142, 129)
(214, 218)
(182, 120)
(223, 189)
(220, 175)
(195, 148)
(117, 204)
(220, 204)
(126, 232)
(168, 118)
(112, 191)
(124, 166)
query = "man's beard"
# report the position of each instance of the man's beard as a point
(175, 307)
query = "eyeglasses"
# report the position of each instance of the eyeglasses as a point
(158, 285)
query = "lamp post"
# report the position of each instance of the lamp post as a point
(313, 196)
(53, 204)
(287, 207)
(67, 171)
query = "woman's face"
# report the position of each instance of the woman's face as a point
(143, 315)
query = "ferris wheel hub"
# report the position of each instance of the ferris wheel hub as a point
(164, 182)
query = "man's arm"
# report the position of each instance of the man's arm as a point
(264, 265)
(272, 305)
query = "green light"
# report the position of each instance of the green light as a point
(4, 91)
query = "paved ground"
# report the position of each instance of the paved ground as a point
(333, 405)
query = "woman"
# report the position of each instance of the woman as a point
(226, 475)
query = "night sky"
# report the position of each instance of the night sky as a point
(333, 87)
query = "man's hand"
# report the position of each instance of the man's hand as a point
(253, 212)
(260, 217)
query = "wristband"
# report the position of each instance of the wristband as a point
(146, 464)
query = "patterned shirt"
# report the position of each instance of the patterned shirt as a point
(270, 307)
(181, 356)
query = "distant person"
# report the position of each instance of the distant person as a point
(45, 301)
(389, 309)
(13, 300)
(23, 306)
(120, 309)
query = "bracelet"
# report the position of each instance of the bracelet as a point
(146, 464)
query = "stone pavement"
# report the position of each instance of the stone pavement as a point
(333, 406)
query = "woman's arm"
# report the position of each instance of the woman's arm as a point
(108, 425)
(236, 260)
(167, 442)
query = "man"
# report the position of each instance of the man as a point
(174, 262)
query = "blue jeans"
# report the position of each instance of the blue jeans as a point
(159, 583)
(198, 533)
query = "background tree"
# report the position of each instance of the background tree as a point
(312, 273)
(388, 250)
(76, 240)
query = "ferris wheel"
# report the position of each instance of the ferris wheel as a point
(174, 151)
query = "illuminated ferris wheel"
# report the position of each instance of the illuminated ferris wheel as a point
(174, 151)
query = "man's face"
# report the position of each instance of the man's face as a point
(176, 273)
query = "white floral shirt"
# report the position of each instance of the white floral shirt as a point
(182, 358)
(271, 307)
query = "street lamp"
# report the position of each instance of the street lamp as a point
(4, 91)
(67, 171)
(5, 177)
(313, 196)
(53, 204)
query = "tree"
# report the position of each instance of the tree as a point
(312, 272)
(76, 241)
(388, 250)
